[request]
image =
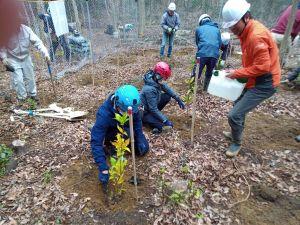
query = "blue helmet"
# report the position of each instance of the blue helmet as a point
(127, 95)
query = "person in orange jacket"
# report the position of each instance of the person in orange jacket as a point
(260, 62)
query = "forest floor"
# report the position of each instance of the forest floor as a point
(55, 180)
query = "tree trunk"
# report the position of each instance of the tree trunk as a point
(78, 24)
(287, 32)
(141, 16)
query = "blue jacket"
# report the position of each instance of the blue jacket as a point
(105, 124)
(151, 94)
(208, 40)
(170, 21)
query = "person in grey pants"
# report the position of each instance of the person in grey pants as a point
(261, 67)
(170, 24)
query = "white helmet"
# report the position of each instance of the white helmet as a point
(233, 11)
(225, 36)
(202, 17)
(172, 6)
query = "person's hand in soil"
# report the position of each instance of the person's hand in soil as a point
(168, 123)
(181, 104)
(104, 177)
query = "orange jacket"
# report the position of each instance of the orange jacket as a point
(260, 54)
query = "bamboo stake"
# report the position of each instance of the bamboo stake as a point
(132, 149)
(52, 81)
(194, 100)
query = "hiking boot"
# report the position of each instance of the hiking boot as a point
(233, 150)
(227, 135)
(156, 131)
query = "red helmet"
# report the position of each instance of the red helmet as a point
(163, 69)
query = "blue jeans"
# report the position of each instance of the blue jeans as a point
(210, 64)
(247, 102)
(150, 119)
(170, 37)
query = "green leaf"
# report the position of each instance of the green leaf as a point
(198, 193)
(113, 161)
(199, 216)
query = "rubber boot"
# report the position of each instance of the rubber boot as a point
(233, 150)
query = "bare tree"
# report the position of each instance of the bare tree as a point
(287, 32)
(78, 23)
(141, 16)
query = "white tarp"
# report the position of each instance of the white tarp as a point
(59, 17)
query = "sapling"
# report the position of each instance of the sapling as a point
(5, 156)
(119, 162)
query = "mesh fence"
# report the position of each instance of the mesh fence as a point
(101, 27)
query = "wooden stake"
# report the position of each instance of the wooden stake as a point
(194, 100)
(132, 149)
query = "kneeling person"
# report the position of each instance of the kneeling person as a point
(155, 96)
(105, 129)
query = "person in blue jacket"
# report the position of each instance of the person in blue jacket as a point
(208, 41)
(105, 129)
(155, 95)
(170, 23)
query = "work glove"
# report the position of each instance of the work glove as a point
(142, 148)
(174, 30)
(169, 30)
(47, 59)
(180, 103)
(10, 68)
(8, 65)
(103, 177)
(168, 123)
(103, 173)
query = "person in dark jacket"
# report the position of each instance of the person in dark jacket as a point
(156, 95)
(56, 41)
(208, 41)
(170, 24)
(105, 129)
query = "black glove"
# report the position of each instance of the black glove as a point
(9, 68)
(180, 103)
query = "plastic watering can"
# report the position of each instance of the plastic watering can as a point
(224, 87)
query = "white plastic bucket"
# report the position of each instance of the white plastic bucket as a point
(224, 87)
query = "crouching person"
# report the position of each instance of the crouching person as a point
(105, 129)
(155, 96)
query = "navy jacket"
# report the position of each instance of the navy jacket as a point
(150, 95)
(105, 124)
(208, 40)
